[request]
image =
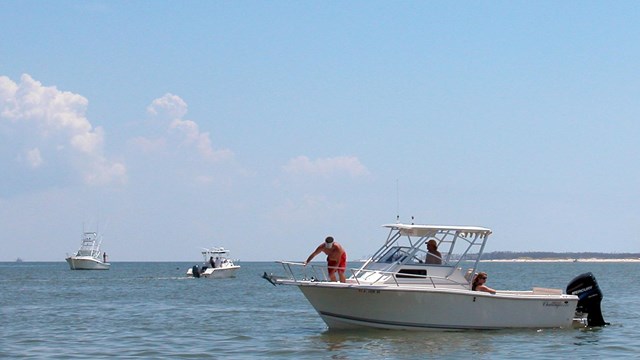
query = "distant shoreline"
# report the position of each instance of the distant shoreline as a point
(590, 260)
(550, 256)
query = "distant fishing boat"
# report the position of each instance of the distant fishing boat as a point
(217, 265)
(89, 256)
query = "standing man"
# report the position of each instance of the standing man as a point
(336, 258)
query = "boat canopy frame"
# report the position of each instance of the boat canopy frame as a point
(90, 245)
(409, 240)
(455, 237)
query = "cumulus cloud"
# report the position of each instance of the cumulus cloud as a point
(55, 119)
(104, 172)
(326, 166)
(188, 132)
(169, 105)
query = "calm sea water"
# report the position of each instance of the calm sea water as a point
(151, 310)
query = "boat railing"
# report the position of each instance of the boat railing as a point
(299, 271)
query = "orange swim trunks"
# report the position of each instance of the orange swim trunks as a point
(338, 266)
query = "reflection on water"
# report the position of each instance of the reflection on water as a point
(588, 336)
(404, 344)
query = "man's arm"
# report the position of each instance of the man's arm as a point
(318, 251)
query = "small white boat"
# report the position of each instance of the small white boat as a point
(89, 256)
(396, 288)
(217, 265)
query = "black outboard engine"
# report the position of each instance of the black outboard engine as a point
(586, 288)
(195, 271)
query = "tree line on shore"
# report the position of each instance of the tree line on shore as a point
(509, 255)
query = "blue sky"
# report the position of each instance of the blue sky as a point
(265, 126)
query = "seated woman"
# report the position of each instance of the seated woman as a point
(479, 283)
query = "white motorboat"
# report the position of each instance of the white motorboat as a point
(397, 289)
(217, 265)
(89, 256)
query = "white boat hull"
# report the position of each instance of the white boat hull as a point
(217, 273)
(344, 306)
(396, 288)
(86, 263)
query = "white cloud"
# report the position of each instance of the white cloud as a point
(169, 105)
(54, 119)
(187, 132)
(326, 166)
(88, 142)
(202, 141)
(103, 172)
(47, 107)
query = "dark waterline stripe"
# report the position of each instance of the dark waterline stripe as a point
(409, 325)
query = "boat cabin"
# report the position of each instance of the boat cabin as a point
(402, 258)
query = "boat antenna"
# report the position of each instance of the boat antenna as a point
(397, 201)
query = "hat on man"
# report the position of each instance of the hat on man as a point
(328, 242)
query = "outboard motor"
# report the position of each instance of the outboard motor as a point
(195, 271)
(586, 288)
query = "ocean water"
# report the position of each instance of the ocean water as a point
(151, 310)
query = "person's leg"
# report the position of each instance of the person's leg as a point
(331, 269)
(342, 267)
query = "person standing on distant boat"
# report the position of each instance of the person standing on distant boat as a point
(433, 255)
(104, 257)
(479, 282)
(336, 258)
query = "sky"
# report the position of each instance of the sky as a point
(265, 126)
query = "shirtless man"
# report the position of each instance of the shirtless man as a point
(336, 258)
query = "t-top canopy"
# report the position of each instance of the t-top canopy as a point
(425, 230)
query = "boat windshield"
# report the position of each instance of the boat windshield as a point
(399, 254)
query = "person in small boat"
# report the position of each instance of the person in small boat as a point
(336, 258)
(433, 255)
(211, 262)
(479, 282)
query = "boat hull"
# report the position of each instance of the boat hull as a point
(86, 263)
(217, 273)
(356, 306)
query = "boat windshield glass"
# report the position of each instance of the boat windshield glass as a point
(397, 253)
